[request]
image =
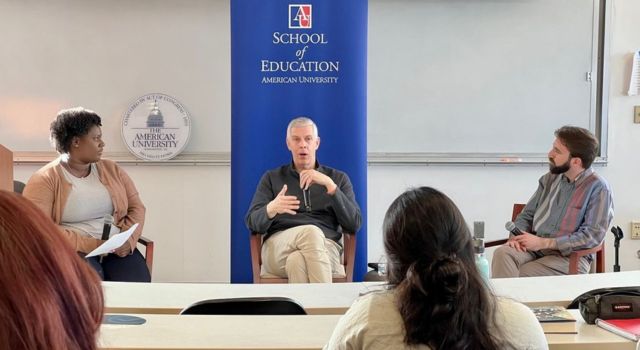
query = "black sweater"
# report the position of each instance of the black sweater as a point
(332, 214)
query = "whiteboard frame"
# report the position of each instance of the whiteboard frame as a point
(373, 158)
(598, 124)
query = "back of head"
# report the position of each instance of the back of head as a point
(50, 298)
(441, 296)
(580, 142)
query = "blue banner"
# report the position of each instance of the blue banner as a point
(291, 59)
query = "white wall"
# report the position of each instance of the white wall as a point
(624, 135)
(188, 206)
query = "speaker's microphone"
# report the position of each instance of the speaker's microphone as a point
(306, 196)
(511, 227)
(106, 229)
(478, 229)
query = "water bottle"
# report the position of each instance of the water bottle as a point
(382, 266)
(478, 247)
(481, 261)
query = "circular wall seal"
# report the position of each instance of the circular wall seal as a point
(156, 127)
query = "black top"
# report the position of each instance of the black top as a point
(331, 214)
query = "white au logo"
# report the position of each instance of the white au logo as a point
(156, 127)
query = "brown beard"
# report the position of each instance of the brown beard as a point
(559, 169)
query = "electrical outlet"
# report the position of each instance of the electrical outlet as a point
(636, 114)
(635, 229)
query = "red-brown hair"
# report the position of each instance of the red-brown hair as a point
(49, 297)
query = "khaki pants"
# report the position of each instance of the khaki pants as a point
(508, 262)
(302, 254)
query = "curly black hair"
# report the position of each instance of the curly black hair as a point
(70, 123)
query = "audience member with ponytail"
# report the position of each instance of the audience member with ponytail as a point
(436, 297)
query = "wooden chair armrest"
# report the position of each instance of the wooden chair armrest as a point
(148, 254)
(498, 242)
(581, 253)
(576, 255)
(145, 241)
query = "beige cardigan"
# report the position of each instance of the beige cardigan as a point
(49, 190)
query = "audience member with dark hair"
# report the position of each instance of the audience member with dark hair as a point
(50, 298)
(436, 298)
(78, 189)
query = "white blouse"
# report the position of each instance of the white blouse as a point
(88, 202)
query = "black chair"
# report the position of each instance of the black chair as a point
(245, 306)
(373, 275)
(18, 186)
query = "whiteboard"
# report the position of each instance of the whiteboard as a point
(479, 76)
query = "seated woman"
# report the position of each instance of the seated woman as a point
(50, 298)
(436, 297)
(78, 189)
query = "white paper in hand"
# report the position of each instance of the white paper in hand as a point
(113, 243)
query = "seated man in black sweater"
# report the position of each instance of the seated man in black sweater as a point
(302, 209)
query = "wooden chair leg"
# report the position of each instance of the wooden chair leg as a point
(573, 264)
(600, 261)
(149, 257)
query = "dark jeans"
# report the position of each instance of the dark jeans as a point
(131, 268)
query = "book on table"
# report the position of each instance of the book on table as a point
(555, 319)
(628, 328)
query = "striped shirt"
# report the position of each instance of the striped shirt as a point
(577, 214)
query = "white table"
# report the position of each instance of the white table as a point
(191, 332)
(162, 332)
(560, 290)
(170, 298)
